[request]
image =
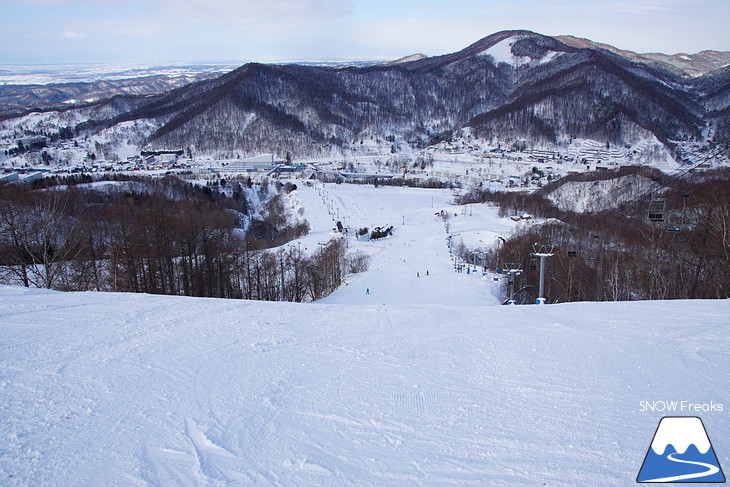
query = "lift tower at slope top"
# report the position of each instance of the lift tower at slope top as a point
(513, 270)
(542, 252)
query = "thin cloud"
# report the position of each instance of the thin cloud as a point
(252, 11)
(37, 3)
(72, 34)
(222, 11)
(646, 7)
(396, 38)
(123, 28)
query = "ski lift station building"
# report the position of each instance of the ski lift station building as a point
(264, 162)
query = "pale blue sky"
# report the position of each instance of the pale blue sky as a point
(172, 31)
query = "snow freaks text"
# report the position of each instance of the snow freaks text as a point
(680, 407)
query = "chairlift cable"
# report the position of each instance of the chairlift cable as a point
(679, 174)
(673, 178)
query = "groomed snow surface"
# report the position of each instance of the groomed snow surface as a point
(101, 389)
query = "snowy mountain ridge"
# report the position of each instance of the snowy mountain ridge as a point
(689, 65)
(502, 52)
(548, 94)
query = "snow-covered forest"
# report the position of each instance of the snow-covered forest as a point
(634, 234)
(161, 236)
(166, 236)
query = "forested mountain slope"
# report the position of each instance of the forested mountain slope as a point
(513, 87)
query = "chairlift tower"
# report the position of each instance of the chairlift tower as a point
(514, 270)
(543, 252)
(281, 276)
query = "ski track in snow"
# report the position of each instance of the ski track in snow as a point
(423, 382)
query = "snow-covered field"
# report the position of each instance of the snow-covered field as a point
(425, 381)
(85, 73)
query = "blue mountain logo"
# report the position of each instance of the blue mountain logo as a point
(681, 452)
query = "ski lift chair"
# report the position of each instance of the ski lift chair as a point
(657, 206)
(675, 228)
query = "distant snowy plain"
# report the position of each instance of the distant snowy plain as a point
(424, 381)
(86, 73)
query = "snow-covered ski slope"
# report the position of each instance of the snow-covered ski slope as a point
(413, 266)
(387, 389)
(120, 390)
